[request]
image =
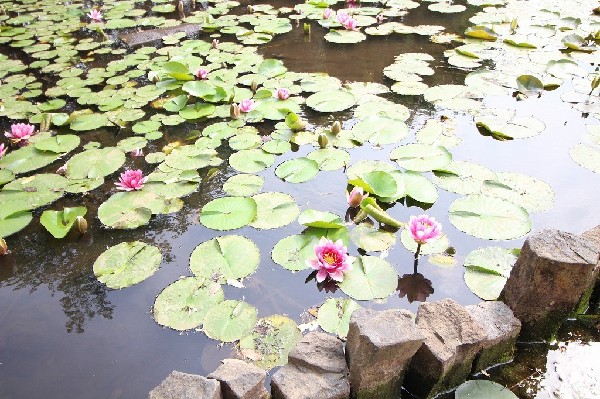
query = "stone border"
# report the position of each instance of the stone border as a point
(429, 354)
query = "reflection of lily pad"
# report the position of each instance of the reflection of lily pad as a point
(126, 264)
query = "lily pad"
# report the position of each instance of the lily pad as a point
(228, 213)
(61, 143)
(586, 156)
(381, 184)
(251, 161)
(370, 278)
(274, 210)
(488, 269)
(294, 251)
(297, 170)
(126, 264)
(421, 157)
(227, 257)
(230, 320)
(330, 158)
(482, 389)
(58, 223)
(532, 194)
(95, 163)
(371, 239)
(243, 185)
(331, 101)
(183, 304)
(334, 315)
(489, 217)
(323, 220)
(14, 223)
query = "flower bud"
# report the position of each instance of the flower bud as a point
(214, 43)
(336, 127)
(250, 9)
(62, 170)
(82, 224)
(3, 247)
(323, 140)
(254, 85)
(234, 111)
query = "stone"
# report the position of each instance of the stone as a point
(553, 275)
(316, 369)
(149, 37)
(179, 385)
(502, 329)
(378, 349)
(452, 340)
(240, 380)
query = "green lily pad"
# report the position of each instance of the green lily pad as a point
(463, 177)
(532, 194)
(481, 32)
(345, 36)
(371, 239)
(271, 341)
(488, 269)
(61, 143)
(482, 389)
(297, 170)
(6, 176)
(370, 278)
(489, 217)
(330, 158)
(331, 101)
(334, 315)
(243, 185)
(437, 246)
(120, 212)
(274, 210)
(251, 161)
(271, 68)
(89, 122)
(183, 304)
(421, 157)
(27, 159)
(586, 156)
(126, 264)
(221, 257)
(323, 220)
(380, 130)
(58, 223)
(95, 163)
(228, 213)
(294, 251)
(230, 320)
(14, 223)
(382, 184)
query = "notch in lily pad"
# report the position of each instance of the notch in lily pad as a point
(59, 223)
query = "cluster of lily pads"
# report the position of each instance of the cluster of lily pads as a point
(221, 92)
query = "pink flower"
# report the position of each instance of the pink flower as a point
(424, 229)
(3, 150)
(283, 94)
(332, 260)
(328, 13)
(201, 73)
(95, 15)
(131, 180)
(247, 105)
(355, 196)
(20, 133)
(342, 17)
(350, 24)
(352, 4)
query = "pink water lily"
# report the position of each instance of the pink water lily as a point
(350, 24)
(131, 180)
(247, 105)
(332, 260)
(355, 196)
(201, 74)
(95, 15)
(328, 13)
(20, 133)
(3, 150)
(283, 94)
(424, 229)
(342, 16)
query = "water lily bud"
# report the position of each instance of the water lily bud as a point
(62, 170)
(234, 111)
(323, 140)
(307, 29)
(336, 127)
(254, 85)
(214, 43)
(3, 247)
(82, 224)
(250, 9)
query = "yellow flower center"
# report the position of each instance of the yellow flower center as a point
(330, 258)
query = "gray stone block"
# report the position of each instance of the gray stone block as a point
(502, 329)
(554, 273)
(378, 349)
(179, 385)
(148, 37)
(453, 339)
(240, 380)
(316, 369)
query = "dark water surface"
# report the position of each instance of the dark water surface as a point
(65, 335)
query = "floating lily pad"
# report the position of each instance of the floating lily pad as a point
(481, 32)
(270, 342)
(331, 101)
(14, 223)
(243, 185)
(381, 184)
(251, 161)
(27, 159)
(421, 157)
(89, 122)
(126, 264)
(532, 194)
(228, 213)
(274, 210)
(330, 158)
(489, 217)
(58, 223)
(322, 220)
(183, 304)
(334, 315)
(120, 213)
(488, 269)
(230, 320)
(437, 246)
(380, 130)
(344, 36)
(586, 156)
(95, 163)
(370, 278)
(371, 239)
(294, 251)
(61, 143)
(482, 389)
(463, 177)
(227, 257)
(297, 170)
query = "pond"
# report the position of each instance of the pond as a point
(494, 138)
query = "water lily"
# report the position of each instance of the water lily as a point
(350, 24)
(342, 16)
(247, 105)
(328, 13)
(131, 180)
(355, 196)
(424, 229)
(95, 15)
(234, 111)
(3, 149)
(283, 94)
(20, 133)
(332, 260)
(201, 74)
